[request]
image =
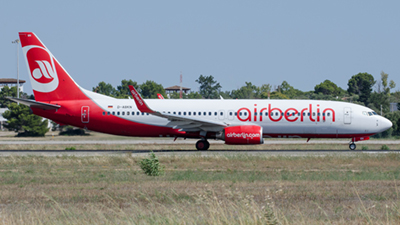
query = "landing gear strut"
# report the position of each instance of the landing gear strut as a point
(202, 145)
(352, 146)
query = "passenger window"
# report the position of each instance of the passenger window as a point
(137, 113)
(113, 113)
(142, 113)
(245, 113)
(266, 113)
(194, 113)
(184, 113)
(313, 113)
(255, 114)
(230, 113)
(276, 114)
(240, 114)
(189, 113)
(108, 113)
(328, 114)
(174, 113)
(308, 114)
(179, 113)
(221, 113)
(293, 114)
(123, 113)
(104, 113)
(235, 113)
(209, 113)
(127, 113)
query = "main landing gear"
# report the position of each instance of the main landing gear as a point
(352, 146)
(202, 145)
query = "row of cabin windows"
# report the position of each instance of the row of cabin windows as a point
(210, 113)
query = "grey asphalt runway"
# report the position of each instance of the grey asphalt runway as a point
(209, 153)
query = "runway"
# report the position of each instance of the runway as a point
(208, 153)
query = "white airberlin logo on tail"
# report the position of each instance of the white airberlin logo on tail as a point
(42, 68)
(45, 70)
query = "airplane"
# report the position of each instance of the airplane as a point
(236, 122)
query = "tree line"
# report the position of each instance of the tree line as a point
(362, 89)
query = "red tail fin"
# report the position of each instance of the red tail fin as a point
(50, 81)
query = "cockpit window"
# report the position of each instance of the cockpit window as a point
(365, 113)
(370, 113)
(373, 112)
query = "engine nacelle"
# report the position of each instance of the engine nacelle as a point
(243, 135)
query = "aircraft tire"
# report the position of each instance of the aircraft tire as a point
(352, 146)
(202, 145)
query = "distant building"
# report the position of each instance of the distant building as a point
(11, 82)
(393, 107)
(177, 89)
(2, 119)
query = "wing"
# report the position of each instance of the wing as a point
(183, 123)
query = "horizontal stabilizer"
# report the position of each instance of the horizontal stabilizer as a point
(34, 104)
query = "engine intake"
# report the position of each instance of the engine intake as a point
(243, 135)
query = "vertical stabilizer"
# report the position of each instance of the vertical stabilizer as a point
(50, 81)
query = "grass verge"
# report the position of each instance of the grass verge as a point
(221, 189)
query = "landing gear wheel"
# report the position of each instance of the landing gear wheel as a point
(352, 146)
(202, 145)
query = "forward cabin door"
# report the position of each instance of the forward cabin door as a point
(347, 115)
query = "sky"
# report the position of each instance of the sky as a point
(262, 42)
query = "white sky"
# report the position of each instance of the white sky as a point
(302, 42)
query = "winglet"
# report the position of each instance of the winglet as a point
(141, 105)
(160, 96)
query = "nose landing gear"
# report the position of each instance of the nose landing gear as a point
(202, 145)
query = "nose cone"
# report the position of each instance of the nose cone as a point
(386, 124)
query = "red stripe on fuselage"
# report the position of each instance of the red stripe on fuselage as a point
(70, 113)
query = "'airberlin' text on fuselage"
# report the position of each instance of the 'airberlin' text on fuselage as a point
(290, 114)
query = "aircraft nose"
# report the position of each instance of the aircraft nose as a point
(386, 124)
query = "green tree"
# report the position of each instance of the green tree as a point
(381, 96)
(209, 88)
(328, 88)
(289, 91)
(278, 95)
(249, 91)
(361, 85)
(21, 120)
(123, 89)
(105, 89)
(149, 89)
(9, 92)
(194, 95)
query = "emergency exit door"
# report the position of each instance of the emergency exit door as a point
(85, 114)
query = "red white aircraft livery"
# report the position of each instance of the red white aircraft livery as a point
(59, 98)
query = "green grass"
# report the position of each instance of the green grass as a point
(219, 189)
